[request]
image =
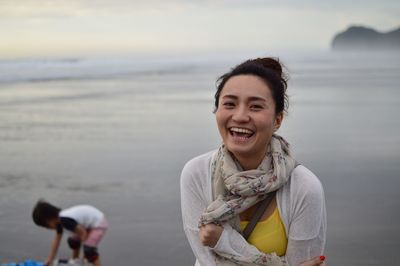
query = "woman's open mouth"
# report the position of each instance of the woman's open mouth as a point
(240, 134)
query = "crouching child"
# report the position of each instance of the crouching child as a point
(85, 225)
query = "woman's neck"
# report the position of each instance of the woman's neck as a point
(249, 162)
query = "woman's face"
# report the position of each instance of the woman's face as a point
(246, 117)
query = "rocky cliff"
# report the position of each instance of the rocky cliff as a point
(363, 38)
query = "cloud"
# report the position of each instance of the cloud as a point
(75, 8)
(131, 25)
(65, 8)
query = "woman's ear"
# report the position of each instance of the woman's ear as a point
(278, 121)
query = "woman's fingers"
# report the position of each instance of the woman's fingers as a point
(314, 261)
(209, 234)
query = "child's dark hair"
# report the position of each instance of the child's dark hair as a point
(270, 70)
(43, 212)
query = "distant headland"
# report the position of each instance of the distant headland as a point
(357, 38)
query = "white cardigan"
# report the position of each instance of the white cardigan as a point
(301, 205)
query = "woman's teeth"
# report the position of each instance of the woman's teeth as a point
(244, 132)
(241, 130)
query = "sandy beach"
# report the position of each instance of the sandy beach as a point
(118, 140)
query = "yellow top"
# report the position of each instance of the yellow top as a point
(269, 235)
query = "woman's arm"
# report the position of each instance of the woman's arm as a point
(305, 209)
(233, 245)
(303, 204)
(193, 203)
(209, 237)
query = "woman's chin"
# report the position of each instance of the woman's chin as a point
(240, 150)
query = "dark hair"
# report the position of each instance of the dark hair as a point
(270, 70)
(43, 212)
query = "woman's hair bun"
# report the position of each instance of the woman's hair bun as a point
(269, 63)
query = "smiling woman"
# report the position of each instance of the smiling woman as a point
(252, 174)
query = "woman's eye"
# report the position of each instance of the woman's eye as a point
(256, 107)
(228, 104)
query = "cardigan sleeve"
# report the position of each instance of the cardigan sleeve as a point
(193, 203)
(303, 209)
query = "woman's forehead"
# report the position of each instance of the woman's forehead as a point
(247, 86)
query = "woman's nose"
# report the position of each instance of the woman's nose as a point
(240, 115)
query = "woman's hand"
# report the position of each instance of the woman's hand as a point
(210, 233)
(314, 261)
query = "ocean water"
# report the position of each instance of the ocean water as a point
(116, 132)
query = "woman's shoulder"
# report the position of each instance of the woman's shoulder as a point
(302, 174)
(197, 168)
(199, 162)
(305, 182)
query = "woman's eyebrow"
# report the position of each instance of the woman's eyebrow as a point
(250, 99)
(230, 96)
(256, 98)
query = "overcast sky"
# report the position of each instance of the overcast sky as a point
(85, 27)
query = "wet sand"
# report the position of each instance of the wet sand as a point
(120, 144)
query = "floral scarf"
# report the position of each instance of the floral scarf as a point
(235, 190)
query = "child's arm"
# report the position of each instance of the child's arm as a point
(72, 225)
(54, 248)
(81, 232)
